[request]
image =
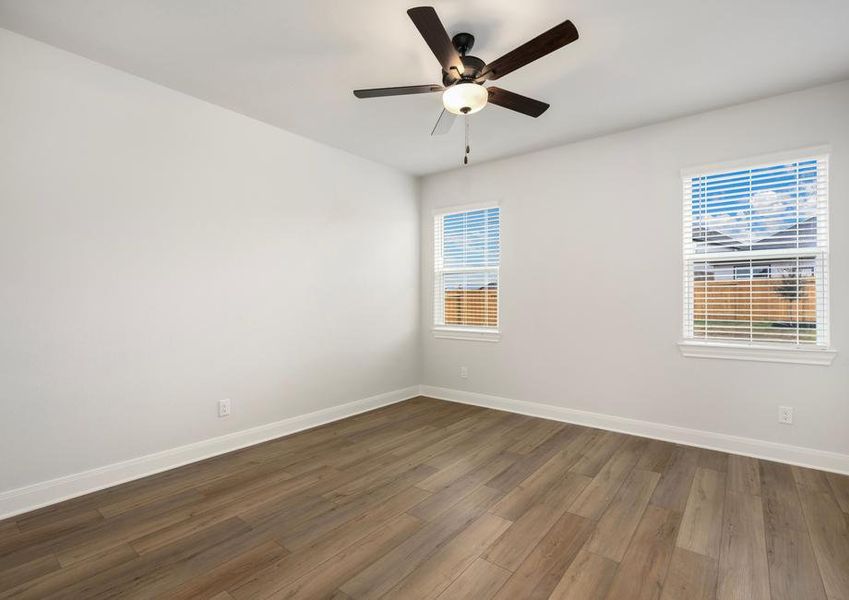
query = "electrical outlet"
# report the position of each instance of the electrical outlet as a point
(224, 407)
(464, 372)
(785, 415)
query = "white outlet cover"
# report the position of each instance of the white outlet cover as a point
(464, 372)
(785, 415)
(224, 408)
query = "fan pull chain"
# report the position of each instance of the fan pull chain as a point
(466, 156)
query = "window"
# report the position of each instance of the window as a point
(756, 259)
(466, 261)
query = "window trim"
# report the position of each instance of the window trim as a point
(471, 334)
(756, 351)
(755, 162)
(461, 208)
(460, 332)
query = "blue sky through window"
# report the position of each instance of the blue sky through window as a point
(751, 205)
(471, 240)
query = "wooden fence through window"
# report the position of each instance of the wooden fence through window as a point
(472, 307)
(783, 300)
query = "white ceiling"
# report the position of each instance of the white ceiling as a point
(294, 64)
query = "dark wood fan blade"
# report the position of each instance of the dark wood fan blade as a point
(543, 44)
(397, 91)
(427, 22)
(443, 123)
(517, 102)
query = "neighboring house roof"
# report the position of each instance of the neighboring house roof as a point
(805, 230)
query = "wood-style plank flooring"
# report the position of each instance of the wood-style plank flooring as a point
(429, 499)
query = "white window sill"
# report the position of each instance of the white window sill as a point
(758, 352)
(462, 333)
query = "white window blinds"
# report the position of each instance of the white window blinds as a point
(467, 256)
(756, 253)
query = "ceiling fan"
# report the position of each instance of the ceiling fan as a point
(463, 76)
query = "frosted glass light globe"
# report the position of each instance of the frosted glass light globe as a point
(464, 98)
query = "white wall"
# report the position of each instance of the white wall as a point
(591, 278)
(158, 253)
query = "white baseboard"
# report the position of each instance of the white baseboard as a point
(24, 499)
(785, 453)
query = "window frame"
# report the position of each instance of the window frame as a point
(781, 352)
(463, 332)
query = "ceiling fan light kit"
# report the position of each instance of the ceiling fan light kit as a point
(465, 98)
(463, 76)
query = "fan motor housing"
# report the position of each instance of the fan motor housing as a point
(473, 66)
(463, 42)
